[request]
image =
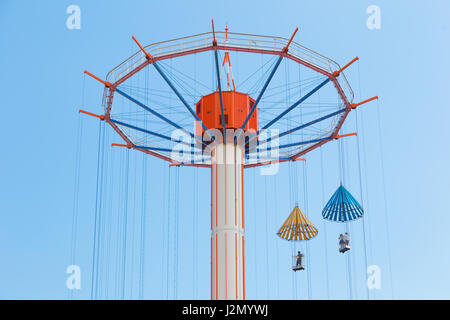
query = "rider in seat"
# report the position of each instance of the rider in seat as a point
(298, 265)
(344, 242)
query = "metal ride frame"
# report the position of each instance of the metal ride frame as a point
(227, 199)
(227, 41)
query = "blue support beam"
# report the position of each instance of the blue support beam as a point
(304, 125)
(298, 143)
(163, 149)
(159, 135)
(262, 91)
(220, 97)
(301, 100)
(192, 152)
(178, 94)
(271, 159)
(152, 111)
(157, 114)
(153, 148)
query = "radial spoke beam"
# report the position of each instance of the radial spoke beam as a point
(297, 143)
(162, 136)
(143, 106)
(303, 126)
(192, 152)
(301, 100)
(277, 64)
(177, 93)
(272, 73)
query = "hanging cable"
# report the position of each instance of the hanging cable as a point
(109, 199)
(367, 238)
(168, 235)
(350, 257)
(118, 229)
(195, 215)
(143, 227)
(125, 224)
(342, 172)
(266, 216)
(386, 217)
(255, 234)
(133, 227)
(305, 200)
(103, 219)
(176, 227)
(74, 228)
(143, 210)
(267, 237)
(194, 238)
(324, 225)
(165, 203)
(308, 257)
(276, 242)
(97, 214)
(364, 219)
(293, 182)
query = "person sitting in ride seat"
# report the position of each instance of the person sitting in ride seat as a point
(346, 239)
(299, 259)
(299, 262)
(341, 242)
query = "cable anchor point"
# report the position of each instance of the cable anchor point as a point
(148, 56)
(286, 48)
(100, 116)
(355, 105)
(338, 72)
(106, 83)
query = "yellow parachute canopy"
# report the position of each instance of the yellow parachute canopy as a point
(297, 227)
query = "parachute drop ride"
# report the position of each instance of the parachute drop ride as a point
(159, 102)
(297, 227)
(342, 207)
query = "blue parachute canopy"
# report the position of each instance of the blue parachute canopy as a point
(342, 207)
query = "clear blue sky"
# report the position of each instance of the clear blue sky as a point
(406, 63)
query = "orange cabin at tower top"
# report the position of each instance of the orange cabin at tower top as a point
(236, 107)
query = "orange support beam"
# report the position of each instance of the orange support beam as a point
(345, 135)
(174, 165)
(355, 105)
(337, 73)
(147, 55)
(101, 117)
(121, 145)
(285, 49)
(214, 33)
(300, 159)
(106, 83)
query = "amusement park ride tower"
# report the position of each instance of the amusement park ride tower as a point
(227, 190)
(226, 131)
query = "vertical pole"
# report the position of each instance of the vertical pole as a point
(227, 229)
